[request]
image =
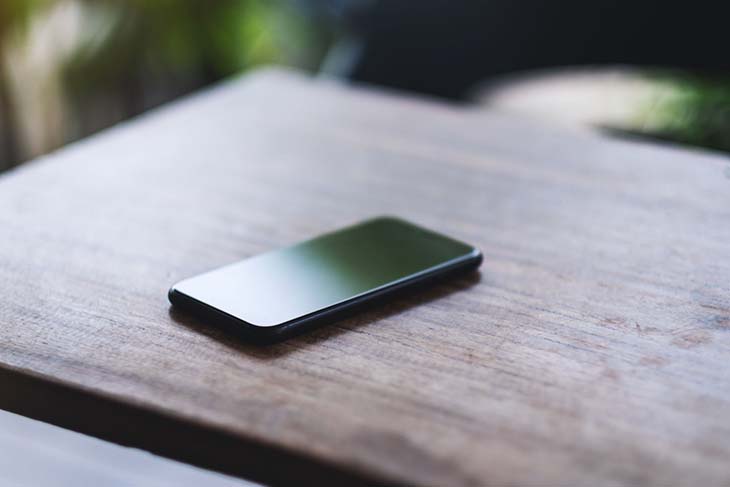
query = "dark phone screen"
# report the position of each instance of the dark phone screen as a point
(279, 286)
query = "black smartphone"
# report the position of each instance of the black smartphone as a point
(277, 294)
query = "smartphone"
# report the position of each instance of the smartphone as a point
(272, 296)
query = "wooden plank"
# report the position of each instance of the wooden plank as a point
(35, 453)
(591, 349)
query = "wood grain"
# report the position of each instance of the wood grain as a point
(592, 349)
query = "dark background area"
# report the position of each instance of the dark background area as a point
(443, 47)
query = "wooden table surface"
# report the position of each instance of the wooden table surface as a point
(592, 349)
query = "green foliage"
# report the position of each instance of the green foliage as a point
(17, 12)
(205, 40)
(106, 60)
(695, 112)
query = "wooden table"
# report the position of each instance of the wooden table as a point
(593, 348)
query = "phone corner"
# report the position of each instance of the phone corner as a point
(386, 219)
(476, 256)
(173, 294)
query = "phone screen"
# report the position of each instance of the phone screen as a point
(280, 286)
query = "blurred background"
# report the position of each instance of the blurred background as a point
(72, 67)
(69, 68)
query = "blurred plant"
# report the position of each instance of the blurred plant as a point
(33, 55)
(688, 109)
(71, 67)
(676, 106)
